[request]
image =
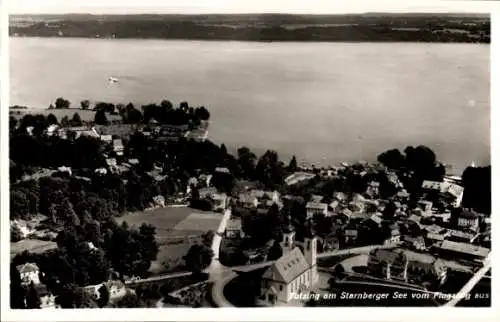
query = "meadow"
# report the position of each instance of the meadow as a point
(177, 228)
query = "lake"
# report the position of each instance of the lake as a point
(324, 102)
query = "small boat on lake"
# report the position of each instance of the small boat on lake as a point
(113, 79)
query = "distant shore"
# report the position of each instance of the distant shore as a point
(440, 28)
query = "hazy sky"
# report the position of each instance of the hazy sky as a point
(243, 6)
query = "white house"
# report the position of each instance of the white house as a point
(313, 208)
(29, 273)
(116, 289)
(233, 229)
(468, 220)
(449, 189)
(293, 273)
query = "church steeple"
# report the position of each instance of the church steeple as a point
(288, 236)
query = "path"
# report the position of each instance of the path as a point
(472, 282)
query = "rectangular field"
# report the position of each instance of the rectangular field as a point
(31, 245)
(177, 228)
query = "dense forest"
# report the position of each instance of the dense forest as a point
(261, 27)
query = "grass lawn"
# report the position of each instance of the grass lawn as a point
(32, 245)
(176, 230)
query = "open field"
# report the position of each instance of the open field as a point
(177, 228)
(32, 245)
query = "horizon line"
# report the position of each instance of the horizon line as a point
(251, 13)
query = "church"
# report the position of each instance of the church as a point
(295, 272)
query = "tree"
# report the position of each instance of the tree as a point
(103, 296)
(198, 258)
(85, 104)
(32, 297)
(292, 166)
(15, 234)
(52, 119)
(74, 297)
(100, 117)
(389, 211)
(65, 121)
(207, 238)
(17, 291)
(62, 103)
(393, 159)
(130, 300)
(12, 123)
(275, 252)
(76, 120)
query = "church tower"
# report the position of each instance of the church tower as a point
(310, 252)
(287, 243)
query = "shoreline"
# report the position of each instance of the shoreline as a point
(221, 39)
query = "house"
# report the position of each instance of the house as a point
(426, 206)
(295, 272)
(316, 198)
(133, 161)
(456, 250)
(65, 169)
(106, 138)
(414, 218)
(47, 299)
(405, 265)
(417, 242)
(262, 194)
(84, 131)
(340, 196)
(159, 201)
(434, 238)
(394, 236)
(373, 189)
(461, 236)
(52, 130)
(91, 246)
(298, 177)
(29, 273)
(248, 201)
(334, 205)
(222, 170)
(233, 229)
(313, 208)
(118, 146)
(468, 220)
(375, 220)
(351, 235)
(220, 201)
(403, 195)
(345, 214)
(452, 191)
(116, 289)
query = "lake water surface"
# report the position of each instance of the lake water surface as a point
(324, 102)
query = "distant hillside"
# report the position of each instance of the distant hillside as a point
(260, 27)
